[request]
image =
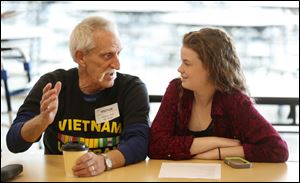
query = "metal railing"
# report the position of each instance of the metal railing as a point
(279, 101)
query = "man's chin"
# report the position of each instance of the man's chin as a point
(109, 84)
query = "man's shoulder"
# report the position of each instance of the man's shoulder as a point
(129, 83)
(124, 78)
(63, 71)
(59, 74)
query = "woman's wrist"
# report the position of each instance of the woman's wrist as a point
(219, 153)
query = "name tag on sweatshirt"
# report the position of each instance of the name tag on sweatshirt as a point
(107, 113)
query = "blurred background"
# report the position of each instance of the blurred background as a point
(266, 35)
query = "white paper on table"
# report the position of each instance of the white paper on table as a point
(190, 170)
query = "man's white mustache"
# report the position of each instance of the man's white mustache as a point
(103, 74)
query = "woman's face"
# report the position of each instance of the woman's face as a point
(193, 74)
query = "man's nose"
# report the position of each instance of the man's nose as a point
(115, 64)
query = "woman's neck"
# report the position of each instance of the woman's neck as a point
(204, 97)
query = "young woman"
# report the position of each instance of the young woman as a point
(207, 113)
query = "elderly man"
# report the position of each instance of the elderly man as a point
(93, 103)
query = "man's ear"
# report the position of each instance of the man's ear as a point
(80, 58)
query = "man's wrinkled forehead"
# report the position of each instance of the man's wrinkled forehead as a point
(107, 40)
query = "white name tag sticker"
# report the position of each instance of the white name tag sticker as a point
(107, 113)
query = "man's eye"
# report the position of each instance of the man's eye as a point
(107, 56)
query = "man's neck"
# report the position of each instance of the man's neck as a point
(86, 85)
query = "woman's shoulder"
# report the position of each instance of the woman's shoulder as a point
(174, 84)
(233, 94)
(175, 81)
(233, 97)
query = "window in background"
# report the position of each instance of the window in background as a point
(266, 37)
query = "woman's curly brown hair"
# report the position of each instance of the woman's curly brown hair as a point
(217, 52)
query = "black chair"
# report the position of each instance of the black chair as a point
(16, 54)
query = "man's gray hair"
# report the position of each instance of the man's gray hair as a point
(81, 37)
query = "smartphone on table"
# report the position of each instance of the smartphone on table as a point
(237, 162)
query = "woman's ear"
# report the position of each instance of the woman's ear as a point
(80, 58)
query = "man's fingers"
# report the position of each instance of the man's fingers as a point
(47, 95)
(48, 103)
(47, 87)
(48, 92)
(58, 87)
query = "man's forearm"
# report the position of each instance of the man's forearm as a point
(33, 129)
